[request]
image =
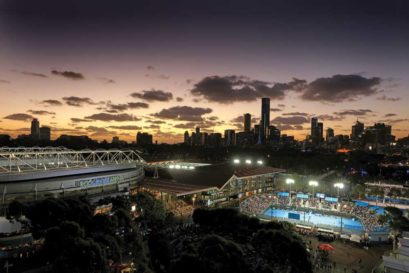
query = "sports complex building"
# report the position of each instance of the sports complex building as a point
(209, 184)
(34, 173)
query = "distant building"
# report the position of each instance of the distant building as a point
(186, 138)
(317, 132)
(214, 140)
(143, 139)
(115, 140)
(378, 136)
(329, 137)
(274, 135)
(247, 123)
(357, 131)
(265, 119)
(229, 137)
(45, 133)
(35, 129)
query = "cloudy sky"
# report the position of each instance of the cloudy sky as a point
(102, 68)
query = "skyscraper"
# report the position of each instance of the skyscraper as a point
(247, 123)
(357, 131)
(330, 135)
(229, 137)
(35, 129)
(317, 132)
(265, 119)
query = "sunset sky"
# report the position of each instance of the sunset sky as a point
(102, 68)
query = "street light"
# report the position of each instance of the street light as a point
(236, 161)
(313, 184)
(339, 186)
(248, 161)
(289, 181)
(259, 162)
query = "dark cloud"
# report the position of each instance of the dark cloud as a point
(154, 121)
(340, 88)
(285, 127)
(296, 114)
(276, 109)
(77, 120)
(69, 74)
(393, 121)
(327, 117)
(29, 73)
(390, 115)
(385, 98)
(106, 80)
(293, 120)
(150, 67)
(40, 112)
(153, 95)
(185, 113)
(158, 76)
(77, 101)
(359, 112)
(152, 126)
(4, 81)
(51, 103)
(231, 89)
(112, 117)
(126, 106)
(126, 127)
(240, 119)
(179, 99)
(281, 105)
(19, 116)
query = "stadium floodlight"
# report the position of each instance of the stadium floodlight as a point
(171, 166)
(339, 186)
(191, 167)
(313, 184)
(260, 162)
(236, 161)
(289, 181)
(177, 166)
(248, 161)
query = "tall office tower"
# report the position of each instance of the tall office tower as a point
(357, 131)
(35, 129)
(247, 123)
(229, 137)
(265, 119)
(274, 135)
(143, 139)
(330, 135)
(317, 132)
(198, 137)
(45, 133)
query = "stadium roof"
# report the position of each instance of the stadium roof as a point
(203, 178)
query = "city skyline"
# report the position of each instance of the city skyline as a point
(86, 73)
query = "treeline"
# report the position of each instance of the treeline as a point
(220, 240)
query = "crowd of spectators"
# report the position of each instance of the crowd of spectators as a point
(258, 204)
(179, 208)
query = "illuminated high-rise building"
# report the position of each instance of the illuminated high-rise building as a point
(265, 119)
(247, 123)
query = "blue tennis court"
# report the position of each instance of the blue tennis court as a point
(316, 218)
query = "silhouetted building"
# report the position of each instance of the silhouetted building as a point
(143, 139)
(357, 131)
(115, 140)
(186, 138)
(265, 120)
(229, 137)
(35, 129)
(329, 137)
(214, 140)
(274, 135)
(379, 134)
(317, 132)
(247, 123)
(45, 133)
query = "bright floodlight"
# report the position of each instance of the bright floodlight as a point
(259, 162)
(248, 161)
(191, 168)
(171, 166)
(339, 185)
(236, 161)
(177, 166)
(313, 183)
(289, 181)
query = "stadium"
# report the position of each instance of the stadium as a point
(325, 215)
(34, 173)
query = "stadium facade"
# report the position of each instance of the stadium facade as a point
(34, 173)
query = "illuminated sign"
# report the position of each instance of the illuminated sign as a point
(97, 182)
